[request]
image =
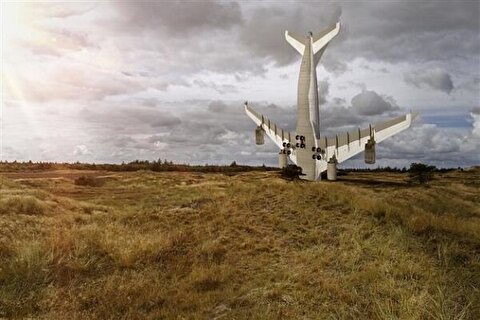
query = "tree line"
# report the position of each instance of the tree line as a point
(136, 165)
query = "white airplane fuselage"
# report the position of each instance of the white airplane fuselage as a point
(308, 118)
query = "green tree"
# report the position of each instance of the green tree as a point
(421, 173)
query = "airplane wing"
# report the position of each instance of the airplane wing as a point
(274, 132)
(344, 146)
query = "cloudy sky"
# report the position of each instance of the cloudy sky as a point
(118, 81)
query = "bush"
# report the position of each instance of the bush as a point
(291, 172)
(88, 181)
(421, 173)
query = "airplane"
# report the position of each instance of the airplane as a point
(306, 148)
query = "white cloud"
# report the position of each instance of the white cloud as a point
(476, 122)
(160, 145)
(81, 150)
(371, 103)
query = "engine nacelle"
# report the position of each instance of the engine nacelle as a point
(282, 160)
(370, 151)
(259, 136)
(332, 169)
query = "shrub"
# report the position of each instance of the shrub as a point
(421, 173)
(291, 172)
(88, 181)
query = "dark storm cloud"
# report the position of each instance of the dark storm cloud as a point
(386, 31)
(225, 37)
(413, 31)
(178, 17)
(337, 116)
(436, 79)
(264, 29)
(370, 103)
(218, 36)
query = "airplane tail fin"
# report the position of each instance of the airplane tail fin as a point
(321, 39)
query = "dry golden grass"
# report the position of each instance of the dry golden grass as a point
(209, 246)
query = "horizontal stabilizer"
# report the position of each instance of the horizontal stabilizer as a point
(323, 38)
(295, 41)
(319, 41)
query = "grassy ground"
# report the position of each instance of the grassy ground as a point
(144, 245)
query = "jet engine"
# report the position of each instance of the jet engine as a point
(259, 135)
(370, 151)
(282, 159)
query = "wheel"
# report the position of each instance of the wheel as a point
(289, 152)
(302, 138)
(302, 145)
(313, 149)
(297, 144)
(314, 157)
(283, 144)
(319, 149)
(297, 137)
(289, 145)
(319, 157)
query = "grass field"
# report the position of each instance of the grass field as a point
(180, 245)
